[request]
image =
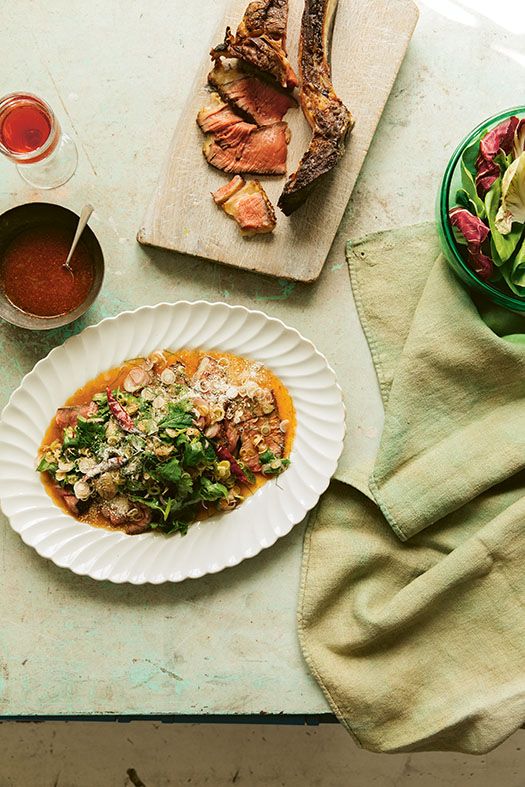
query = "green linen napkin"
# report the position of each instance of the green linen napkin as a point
(411, 613)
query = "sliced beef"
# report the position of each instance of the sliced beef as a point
(218, 117)
(263, 152)
(68, 416)
(211, 372)
(262, 102)
(230, 435)
(223, 194)
(328, 117)
(261, 432)
(248, 204)
(127, 515)
(70, 500)
(234, 145)
(260, 40)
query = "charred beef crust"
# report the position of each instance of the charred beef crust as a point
(265, 17)
(320, 158)
(263, 53)
(260, 41)
(329, 118)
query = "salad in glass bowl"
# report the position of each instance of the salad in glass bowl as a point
(481, 209)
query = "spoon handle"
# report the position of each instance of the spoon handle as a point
(87, 210)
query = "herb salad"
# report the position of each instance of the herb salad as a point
(166, 440)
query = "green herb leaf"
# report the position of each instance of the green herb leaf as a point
(247, 472)
(173, 474)
(276, 470)
(198, 453)
(170, 471)
(210, 490)
(101, 400)
(178, 527)
(503, 160)
(47, 467)
(89, 433)
(178, 417)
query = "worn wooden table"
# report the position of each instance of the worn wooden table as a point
(117, 74)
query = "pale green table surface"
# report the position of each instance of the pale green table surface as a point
(118, 73)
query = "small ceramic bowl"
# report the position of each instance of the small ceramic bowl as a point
(22, 217)
(446, 200)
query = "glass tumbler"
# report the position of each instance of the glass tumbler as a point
(30, 135)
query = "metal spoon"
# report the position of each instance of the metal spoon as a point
(87, 210)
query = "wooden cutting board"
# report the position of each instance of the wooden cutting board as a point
(369, 42)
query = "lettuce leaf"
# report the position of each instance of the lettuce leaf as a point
(469, 186)
(504, 244)
(514, 272)
(512, 208)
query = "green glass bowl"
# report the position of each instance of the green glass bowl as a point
(446, 200)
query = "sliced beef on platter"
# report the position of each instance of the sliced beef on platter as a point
(257, 98)
(218, 119)
(261, 152)
(248, 204)
(236, 146)
(68, 416)
(252, 430)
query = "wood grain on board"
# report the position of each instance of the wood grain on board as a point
(369, 42)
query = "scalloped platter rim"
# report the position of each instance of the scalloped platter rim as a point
(221, 541)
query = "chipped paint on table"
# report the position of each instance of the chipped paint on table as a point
(117, 74)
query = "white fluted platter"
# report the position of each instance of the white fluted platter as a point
(216, 543)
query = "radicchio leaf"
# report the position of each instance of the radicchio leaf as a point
(500, 138)
(475, 233)
(512, 208)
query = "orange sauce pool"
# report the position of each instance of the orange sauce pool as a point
(239, 369)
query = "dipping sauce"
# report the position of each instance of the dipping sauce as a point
(33, 276)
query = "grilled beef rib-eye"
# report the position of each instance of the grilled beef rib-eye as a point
(260, 40)
(328, 117)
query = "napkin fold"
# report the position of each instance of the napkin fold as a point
(412, 610)
(455, 421)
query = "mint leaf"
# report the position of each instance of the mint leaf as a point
(178, 418)
(88, 434)
(210, 490)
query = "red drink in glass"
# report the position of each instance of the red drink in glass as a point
(30, 134)
(24, 128)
